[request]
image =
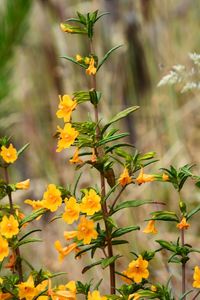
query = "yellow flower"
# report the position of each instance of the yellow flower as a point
(65, 28)
(183, 224)
(36, 204)
(134, 296)
(64, 292)
(52, 198)
(76, 159)
(124, 178)
(65, 108)
(91, 70)
(196, 277)
(142, 178)
(23, 185)
(150, 228)
(95, 295)
(165, 177)
(137, 269)
(64, 251)
(153, 288)
(86, 231)
(4, 249)
(90, 202)
(87, 60)
(9, 226)
(67, 137)
(9, 154)
(70, 234)
(79, 58)
(72, 210)
(5, 296)
(27, 289)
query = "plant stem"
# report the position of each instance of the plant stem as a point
(99, 154)
(197, 294)
(18, 265)
(183, 265)
(117, 197)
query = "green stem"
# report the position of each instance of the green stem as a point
(104, 207)
(183, 265)
(18, 265)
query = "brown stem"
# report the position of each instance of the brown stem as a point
(183, 265)
(197, 294)
(18, 265)
(116, 198)
(99, 154)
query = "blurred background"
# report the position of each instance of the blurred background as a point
(155, 35)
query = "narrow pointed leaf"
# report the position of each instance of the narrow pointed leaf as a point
(74, 61)
(131, 203)
(107, 55)
(34, 215)
(107, 261)
(20, 151)
(85, 269)
(112, 138)
(121, 231)
(193, 212)
(120, 115)
(23, 242)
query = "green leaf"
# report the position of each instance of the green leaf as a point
(193, 212)
(121, 231)
(28, 233)
(113, 147)
(101, 15)
(23, 242)
(164, 216)
(185, 294)
(34, 215)
(131, 203)
(20, 151)
(119, 116)
(74, 61)
(107, 261)
(85, 269)
(107, 55)
(112, 138)
(166, 245)
(119, 242)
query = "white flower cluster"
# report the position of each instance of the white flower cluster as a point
(179, 74)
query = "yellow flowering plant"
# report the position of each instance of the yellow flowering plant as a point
(92, 210)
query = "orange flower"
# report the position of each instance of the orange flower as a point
(86, 231)
(150, 228)
(95, 295)
(90, 202)
(36, 204)
(9, 226)
(183, 224)
(91, 70)
(137, 269)
(70, 234)
(93, 157)
(4, 249)
(9, 154)
(52, 198)
(196, 277)
(23, 185)
(79, 57)
(66, 28)
(64, 251)
(76, 159)
(165, 177)
(65, 108)
(134, 296)
(11, 263)
(67, 136)
(124, 178)
(72, 210)
(5, 296)
(27, 289)
(142, 178)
